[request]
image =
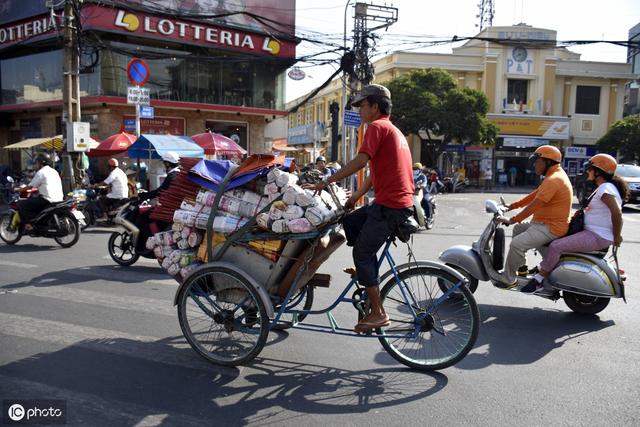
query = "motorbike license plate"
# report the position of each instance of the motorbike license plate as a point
(79, 215)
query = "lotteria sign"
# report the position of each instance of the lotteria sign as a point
(200, 33)
(34, 27)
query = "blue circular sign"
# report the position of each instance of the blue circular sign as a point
(137, 72)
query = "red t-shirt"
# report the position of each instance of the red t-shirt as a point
(390, 159)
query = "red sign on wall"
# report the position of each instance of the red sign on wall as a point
(184, 31)
(156, 126)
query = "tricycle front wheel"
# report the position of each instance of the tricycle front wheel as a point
(441, 333)
(222, 316)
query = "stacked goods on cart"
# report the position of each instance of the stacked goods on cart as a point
(284, 208)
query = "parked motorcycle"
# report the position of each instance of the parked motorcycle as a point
(586, 281)
(127, 246)
(60, 221)
(453, 185)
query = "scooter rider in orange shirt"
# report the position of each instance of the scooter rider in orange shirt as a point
(550, 205)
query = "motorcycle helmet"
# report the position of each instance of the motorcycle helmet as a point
(113, 163)
(320, 159)
(417, 166)
(548, 152)
(604, 162)
(43, 158)
(171, 157)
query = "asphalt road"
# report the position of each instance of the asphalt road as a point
(106, 339)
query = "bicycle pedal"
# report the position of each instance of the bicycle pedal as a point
(351, 271)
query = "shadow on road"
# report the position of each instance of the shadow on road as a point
(46, 246)
(520, 336)
(188, 393)
(110, 273)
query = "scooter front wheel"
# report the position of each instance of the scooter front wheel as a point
(9, 235)
(121, 249)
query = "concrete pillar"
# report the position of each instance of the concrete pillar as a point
(566, 100)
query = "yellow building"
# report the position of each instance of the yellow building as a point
(538, 92)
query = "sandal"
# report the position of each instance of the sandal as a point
(364, 325)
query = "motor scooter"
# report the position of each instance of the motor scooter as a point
(88, 204)
(586, 281)
(60, 221)
(420, 216)
(127, 246)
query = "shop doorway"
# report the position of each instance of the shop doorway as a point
(517, 173)
(238, 131)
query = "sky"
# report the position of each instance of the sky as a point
(572, 19)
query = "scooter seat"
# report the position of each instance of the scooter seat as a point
(598, 254)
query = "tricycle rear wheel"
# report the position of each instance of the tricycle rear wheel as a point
(222, 316)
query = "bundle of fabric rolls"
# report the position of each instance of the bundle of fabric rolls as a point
(294, 209)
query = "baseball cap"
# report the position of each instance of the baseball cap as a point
(370, 90)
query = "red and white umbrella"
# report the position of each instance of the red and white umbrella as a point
(115, 144)
(214, 143)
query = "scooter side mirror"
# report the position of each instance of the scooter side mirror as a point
(502, 202)
(491, 206)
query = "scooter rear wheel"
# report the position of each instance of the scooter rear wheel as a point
(67, 218)
(584, 304)
(121, 249)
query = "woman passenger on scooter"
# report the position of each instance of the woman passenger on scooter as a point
(602, 219)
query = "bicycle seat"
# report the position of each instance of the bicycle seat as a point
(406, 229)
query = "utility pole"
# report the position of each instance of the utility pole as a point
(70, 90)
(486, 11)
(381, 17)
(334, 109)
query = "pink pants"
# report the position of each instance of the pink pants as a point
(583, 241)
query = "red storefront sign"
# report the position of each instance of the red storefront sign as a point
(156, 126)
(36, 27)
(184, 31)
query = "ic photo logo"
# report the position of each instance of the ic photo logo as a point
(16, 412)
(34, 412)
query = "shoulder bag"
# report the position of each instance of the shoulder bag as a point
(576, 224)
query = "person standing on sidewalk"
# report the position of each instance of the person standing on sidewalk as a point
(386, 150)
(550, 205)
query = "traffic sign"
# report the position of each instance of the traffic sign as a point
(138, 95)
(146, 112)
(137, 72)
(351, 118)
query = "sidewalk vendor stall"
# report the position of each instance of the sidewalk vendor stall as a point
(219, 147)
(152, 147)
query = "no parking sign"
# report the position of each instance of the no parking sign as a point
(137, 72)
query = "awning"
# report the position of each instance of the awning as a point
(153, 146)
(281, 145)
(50, 143)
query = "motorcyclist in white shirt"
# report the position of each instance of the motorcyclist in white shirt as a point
(117, 179)
(49, 185)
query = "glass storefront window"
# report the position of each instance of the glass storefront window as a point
(38, 77)
(225, 81)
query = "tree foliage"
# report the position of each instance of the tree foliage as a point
(623, 137)
(429, 100)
